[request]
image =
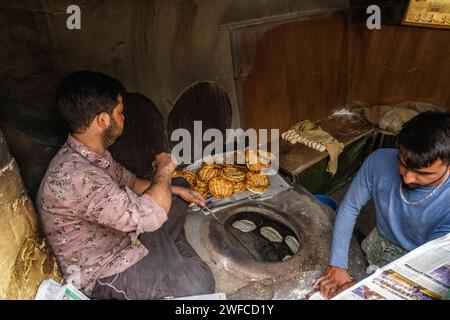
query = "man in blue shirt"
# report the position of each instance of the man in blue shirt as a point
(410, 187)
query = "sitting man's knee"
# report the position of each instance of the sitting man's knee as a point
(203, 281)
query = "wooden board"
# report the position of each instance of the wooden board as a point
(294, 158)
(399, 63)
(283, 72)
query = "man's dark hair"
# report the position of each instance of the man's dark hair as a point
(425, 139)
(82, 95)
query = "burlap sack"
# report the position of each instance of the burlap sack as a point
(392, 117)
(25, 258)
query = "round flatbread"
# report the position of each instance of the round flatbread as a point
(209, 171)
(233, 173)
(239, 187)
(244, 225)
(190, 176)
(257, 190)
(271, 234)
(220, 188)
(292, 243)
(256, 182)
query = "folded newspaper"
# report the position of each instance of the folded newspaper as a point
(52, 290)
(422, 274)
(211, 296)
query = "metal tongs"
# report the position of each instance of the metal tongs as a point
(205, 208)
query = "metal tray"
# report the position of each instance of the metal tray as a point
(277, 185)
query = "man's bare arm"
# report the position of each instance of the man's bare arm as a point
(140, 185)
(160, 188)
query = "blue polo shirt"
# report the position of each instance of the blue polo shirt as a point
(407, 226)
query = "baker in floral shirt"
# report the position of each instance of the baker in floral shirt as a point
(115, 236)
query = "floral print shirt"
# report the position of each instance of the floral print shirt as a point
(90, 215)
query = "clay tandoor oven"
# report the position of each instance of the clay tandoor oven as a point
(256, 262)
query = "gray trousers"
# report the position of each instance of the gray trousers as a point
(171, 269)
(380, 251)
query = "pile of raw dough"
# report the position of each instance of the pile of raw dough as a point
(294, 137)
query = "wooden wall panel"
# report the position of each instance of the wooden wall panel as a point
(399, 63)
(290, 71)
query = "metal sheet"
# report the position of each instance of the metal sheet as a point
(277, 185)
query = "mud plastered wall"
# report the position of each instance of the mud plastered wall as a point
(25, 258)
(156, 48)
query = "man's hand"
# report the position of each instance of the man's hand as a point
(189, 195)
(333, 281)
(165, 161)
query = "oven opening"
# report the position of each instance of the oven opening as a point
(264, 237)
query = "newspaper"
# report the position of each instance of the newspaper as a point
(212, 296)
(52, 290)
(422, 274)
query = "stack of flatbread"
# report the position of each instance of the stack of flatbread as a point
(223, 180)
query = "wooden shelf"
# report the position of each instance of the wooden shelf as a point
(294, 158)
